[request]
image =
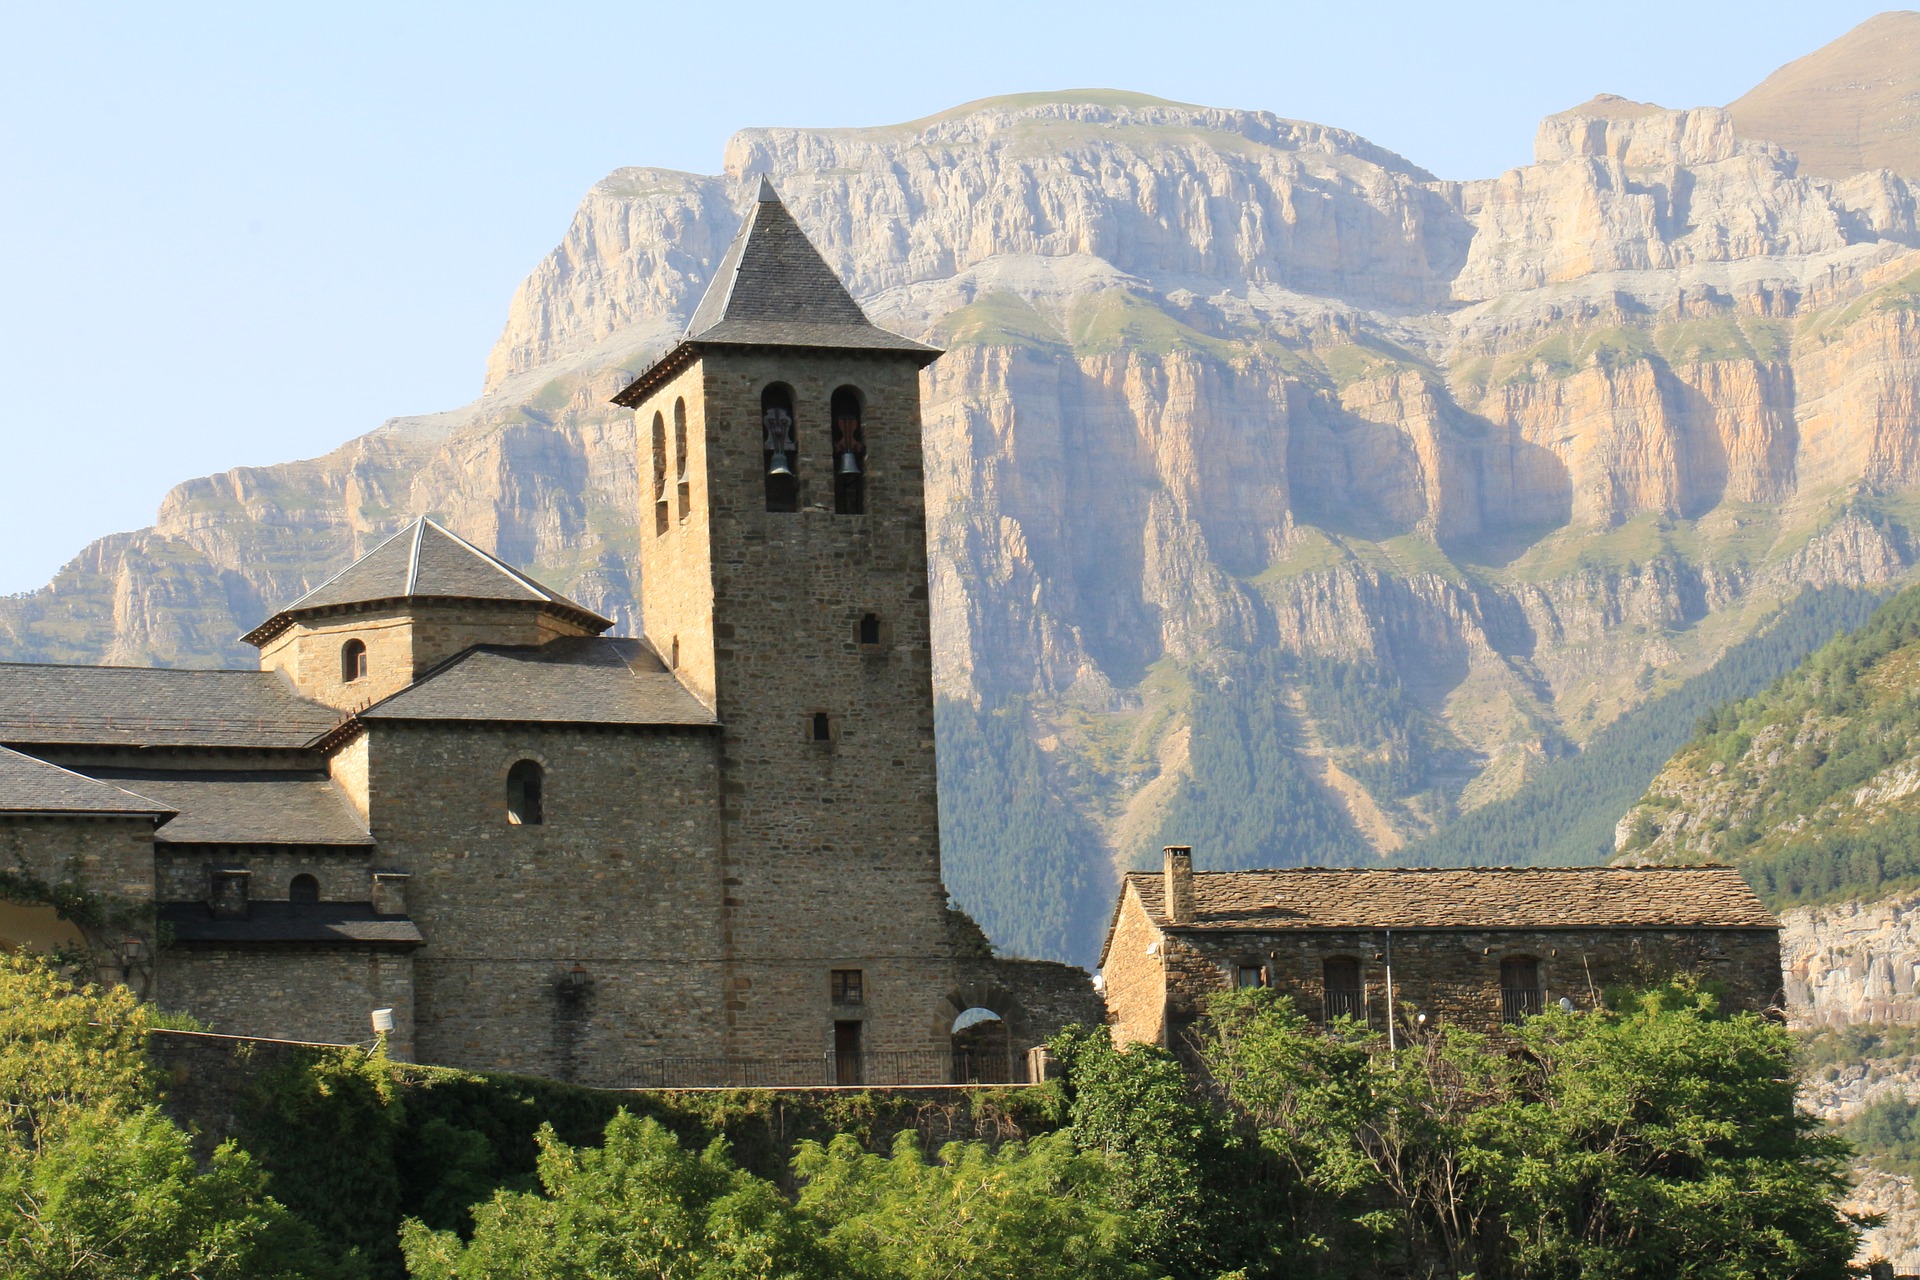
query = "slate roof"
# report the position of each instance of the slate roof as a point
(1467, 898)
(155, 706)
(255, 807)
(772, 288)
(307, 923)
(575, 680)
(425, 561)
(28, 785)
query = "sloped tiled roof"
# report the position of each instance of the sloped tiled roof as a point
(155, 706)
(28, 785)
(576, 680)
(307, 923)
(424, 561)
(772, 288)
(255, 807)
(1470, 898)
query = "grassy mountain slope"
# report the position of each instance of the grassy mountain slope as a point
(1812, 786)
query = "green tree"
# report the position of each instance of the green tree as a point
(1038, 1211)
(1200, 1201)
(96, 1183)
(641, 1205)
(1657, 1140)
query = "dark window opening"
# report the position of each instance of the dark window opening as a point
(1250, 975)
(1520, 993)
(846, 1053)
(821, 729)
(526, 782)
(870, 629)
(304, 888)
(659, 475)
(849, 454)
(1344, 995)
(673, 662)
(353, 661)
(779, 448)
(680, 439)
(686, 500)
(848, 986)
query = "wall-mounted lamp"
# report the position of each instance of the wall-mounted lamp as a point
(131, 952)
(383, 1022)
(578, 979)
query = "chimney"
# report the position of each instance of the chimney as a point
(1178, 883)
(390, 893)
(227, 892)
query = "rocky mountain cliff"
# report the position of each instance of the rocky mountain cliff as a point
(1526, 452)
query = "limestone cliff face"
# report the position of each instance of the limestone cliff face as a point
(1217, 383)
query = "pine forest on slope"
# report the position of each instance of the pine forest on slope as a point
(1813, 786)
(1283, 498)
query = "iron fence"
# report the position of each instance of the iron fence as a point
(891, 1067)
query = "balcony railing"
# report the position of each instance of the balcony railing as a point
(1520, 1003)
(887, 1068)
(1346, 1004)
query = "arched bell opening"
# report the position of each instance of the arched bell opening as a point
(982, 1047)
(849, 453)
(779, 448)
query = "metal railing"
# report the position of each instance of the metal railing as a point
(1520, 1003)
(892, 1067)
(1346, 1004)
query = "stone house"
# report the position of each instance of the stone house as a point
(711, 855)
(1475, 948)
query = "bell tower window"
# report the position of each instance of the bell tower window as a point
(685, 490)
(526, 785)
(353, 661)
(849, 454)
(820, 727)
(780, 448)
(659, 475)
(869, 631)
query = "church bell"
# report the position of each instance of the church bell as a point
(778, 466)
(849, 464)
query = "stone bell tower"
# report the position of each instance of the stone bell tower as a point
(784, 578)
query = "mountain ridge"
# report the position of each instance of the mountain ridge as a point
(1225, 393)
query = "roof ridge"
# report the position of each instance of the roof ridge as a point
(333, 577)
(158, 807)
(496, 562)
(413, 559)
(127, 666)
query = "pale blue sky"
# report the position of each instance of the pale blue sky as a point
(243, 234)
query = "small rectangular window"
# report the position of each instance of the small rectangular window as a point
(660, 519)
(686, 500)
(848, 986)
(1250, 975)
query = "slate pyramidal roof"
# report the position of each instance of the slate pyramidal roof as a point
(424, 561)
(773, 289)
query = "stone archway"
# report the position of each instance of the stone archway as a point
(987, 1034)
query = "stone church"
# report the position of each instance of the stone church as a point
(447, 798)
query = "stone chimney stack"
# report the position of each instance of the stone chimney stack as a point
(390, 893)
(227, 892)
(1178, 881)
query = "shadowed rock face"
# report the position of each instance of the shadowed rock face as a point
(1218, 383)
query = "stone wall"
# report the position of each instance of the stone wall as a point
(292, 992)
(620, 879)
(1134, 976)
(345, 873)
(402, 643)
(1035, 998)
(1453, 976)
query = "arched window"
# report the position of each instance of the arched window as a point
(526, 782)
(353, 661)
(849, 454)
(685, 490)
(304, 888)
(659, 475)
(1342, 993)
(869, 630)
(780, 448)
(1520, 993)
